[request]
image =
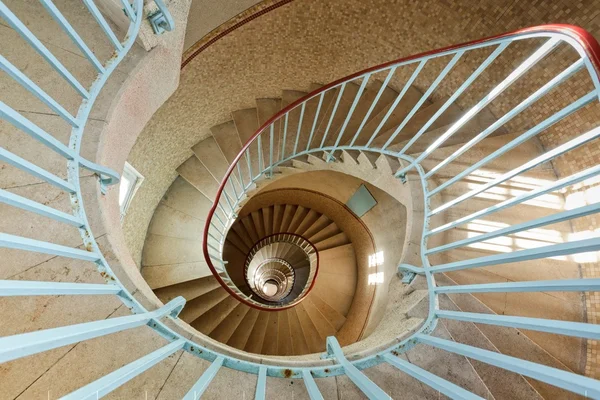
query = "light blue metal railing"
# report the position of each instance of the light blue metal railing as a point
(22, 345)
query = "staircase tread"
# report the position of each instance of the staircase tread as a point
(256, 339)
(271, 334)
(313, 338)
(284, 340)
(189, 290)
(337, 300)
(184, 197)
(193, 171)
(319, 321)
(242, 333)
(198, 306)
(299, 344)
(215, 315)
(228, 326)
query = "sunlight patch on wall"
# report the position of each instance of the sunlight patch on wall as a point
(513, 187)
(376, 278)
(590, 257)
(376, 259)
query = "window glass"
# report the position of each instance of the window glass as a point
(130, 182)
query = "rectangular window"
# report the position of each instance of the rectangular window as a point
(130, 182)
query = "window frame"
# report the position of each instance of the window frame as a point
(136, 178)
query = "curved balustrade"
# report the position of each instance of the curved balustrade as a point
(276, 144)
(260, 158)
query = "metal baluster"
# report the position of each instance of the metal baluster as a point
(567, 328)
(563, 285)
(103, 24)
(559, 184)
(441, 385)
(370, 389)
(493, 94)
(311, 386)
(453, 98)
(24, 344)
(555, 377)
(361, 89)
(314, 124)
(271, 139)
(37, 246)
(547, 156)
(35, 288)
(34, 89)
(576, 66)
(335, 106)
(299, 127)
(400, 96)
(384, 85)
(548, 220)
(561, 249)
(110, 382)
(571, 108)
(261, 163)
(202, 384)
(40, 209)
(423, 98)
(42, 50)
(261, 384)
(66, 26)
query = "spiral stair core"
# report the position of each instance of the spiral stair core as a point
(302, 329)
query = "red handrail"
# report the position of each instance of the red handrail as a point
(587, 42)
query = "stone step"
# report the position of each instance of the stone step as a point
(210, 155)
(230, 324)
(334, 317)
(341, 302)
(288, 214)
(197, 307)
(504, 340)
(209, 320)
(271, 333)
(330, 230)
(255, 340)
(284, 339)
(297, 219)
(240, 336)
(193, 171)
(246, 124)
(184, 197)
(189, 290)
(336, 240)
(320, 223)
(258, 222)
(299, 343)
(322, 325)
(162, 250)
(160, 276)
(313, 338)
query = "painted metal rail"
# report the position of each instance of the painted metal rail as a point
(263, 152)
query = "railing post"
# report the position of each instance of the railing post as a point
(367, 386)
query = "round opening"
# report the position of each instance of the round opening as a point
(270, 287)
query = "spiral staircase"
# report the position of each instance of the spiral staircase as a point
(464, 279)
